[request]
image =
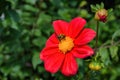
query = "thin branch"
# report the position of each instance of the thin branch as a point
(96, 43)
(108, 46)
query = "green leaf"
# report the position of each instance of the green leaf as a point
(43, 18)
(55, 3)
(102, 5)
(43, 5)
(103, 52)
(31, 1)
(14, 15)
(16, 68)
(30, 8)
(113, 53)
(64, 14)
(2, 47)
(5, 70)
(83, 3)
(35, 59)
(116, 34)
(97, 6)
(37, 32)
(93, 8)
(1, 59)
(83, 13)
(41, 69)
(16, 71)
(110, 10)
(14, 25)
(39, 41)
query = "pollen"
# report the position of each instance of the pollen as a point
(66, 44)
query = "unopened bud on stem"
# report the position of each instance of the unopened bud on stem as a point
(101, 15)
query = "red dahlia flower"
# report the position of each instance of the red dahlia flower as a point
(67, 43)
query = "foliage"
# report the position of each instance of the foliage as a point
(25, 26)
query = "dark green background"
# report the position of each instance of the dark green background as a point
(25, 25)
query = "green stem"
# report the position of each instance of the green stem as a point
(96, 43)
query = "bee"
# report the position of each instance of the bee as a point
(61, 36)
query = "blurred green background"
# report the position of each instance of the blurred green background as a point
(25, 25)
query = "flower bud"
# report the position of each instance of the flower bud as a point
(94, 66)
(101, 15)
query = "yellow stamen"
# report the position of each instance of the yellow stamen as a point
(66, 44)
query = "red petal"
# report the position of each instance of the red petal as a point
(82, 51)
(69, 66)
(52, 40)
(75, 27)
(54, 62)
(48, 51)
(60, 27)
(85, 37)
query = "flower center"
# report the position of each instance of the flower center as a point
(66, 44)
